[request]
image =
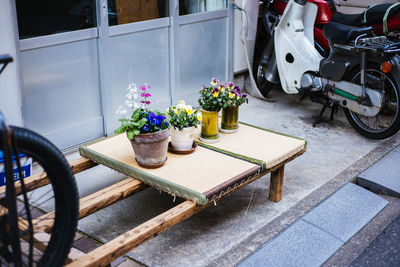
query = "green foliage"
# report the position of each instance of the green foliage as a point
(182, 115)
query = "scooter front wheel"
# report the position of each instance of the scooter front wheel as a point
(387, 122)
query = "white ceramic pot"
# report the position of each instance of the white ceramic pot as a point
(182, 140)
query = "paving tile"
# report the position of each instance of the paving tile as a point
(384, 176)
(85, 244)
(117, 262)
(302, 244)
(345, 212)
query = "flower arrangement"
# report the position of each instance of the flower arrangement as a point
(182, 116)
(141, 119)
(231, 95)
(211, 98)
(220, 95)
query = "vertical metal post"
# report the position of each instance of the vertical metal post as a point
(363, 73)
(102, 41)
(174, 50)
(229, 48)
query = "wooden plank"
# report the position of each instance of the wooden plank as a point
(40, 179)
(131, 239)
(81, 165)
(276, 184)
(96, 201)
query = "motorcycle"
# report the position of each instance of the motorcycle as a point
(361, 73)
(265, 69)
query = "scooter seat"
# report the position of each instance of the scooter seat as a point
(374, 15)
(341, 34)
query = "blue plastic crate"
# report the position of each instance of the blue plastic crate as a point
(26, 168)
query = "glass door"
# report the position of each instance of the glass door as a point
(137, 51)
(60, 69)
(203, 46)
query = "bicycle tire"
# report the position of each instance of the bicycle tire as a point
(63, 187)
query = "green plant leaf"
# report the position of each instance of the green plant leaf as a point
(136, 114)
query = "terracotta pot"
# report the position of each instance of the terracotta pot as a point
(230, 118)
(182, 140)
(209, 126)
(151, 149)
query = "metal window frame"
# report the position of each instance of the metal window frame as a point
(104, 32)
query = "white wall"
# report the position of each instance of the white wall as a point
(10, 93)
(239, 58)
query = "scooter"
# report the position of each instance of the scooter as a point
(361, 74)
(265, 69)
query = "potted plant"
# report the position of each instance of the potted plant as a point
(211, 102)
(184, 120)
(148, 130)
(232, 99)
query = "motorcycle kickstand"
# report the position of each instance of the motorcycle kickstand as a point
(334, 109)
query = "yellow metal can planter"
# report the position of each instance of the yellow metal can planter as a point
(209, 126)
(230, 118)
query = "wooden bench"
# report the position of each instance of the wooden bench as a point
(222, 168)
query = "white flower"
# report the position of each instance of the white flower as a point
(120, 110)
(129, 96)
(135, 95)
(129, 104)
(135, 105)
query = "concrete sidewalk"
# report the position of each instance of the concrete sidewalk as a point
(240, 224)
(319, 234)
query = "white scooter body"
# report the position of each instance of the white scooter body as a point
(294, 45)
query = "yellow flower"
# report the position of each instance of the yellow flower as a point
(181, 102)
(231, 95)
(176, 111)
(222, 89)
(189, 109)
(199, 117)
(215, 94)
(166, 111)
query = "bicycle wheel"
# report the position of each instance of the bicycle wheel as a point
(50, 187)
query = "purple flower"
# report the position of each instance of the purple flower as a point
(247, 100)
(143, 88)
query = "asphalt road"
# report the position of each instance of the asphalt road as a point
(384, 250)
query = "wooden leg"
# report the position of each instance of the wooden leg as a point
(276, 184)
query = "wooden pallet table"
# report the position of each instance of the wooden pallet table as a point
(202, 178)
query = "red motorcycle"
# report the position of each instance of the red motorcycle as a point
(384, 19)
